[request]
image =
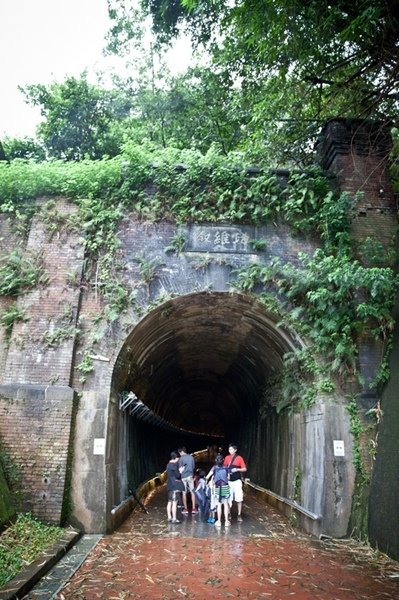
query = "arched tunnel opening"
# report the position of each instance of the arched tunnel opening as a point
(199, 366)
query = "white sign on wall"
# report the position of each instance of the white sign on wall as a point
(339, 448)
(99, 446)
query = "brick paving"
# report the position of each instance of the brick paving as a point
(264, 557)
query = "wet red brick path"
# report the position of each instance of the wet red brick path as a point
(264, 557)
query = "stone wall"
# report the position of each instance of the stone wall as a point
(35, 426)
(36, 400)
(40, 380)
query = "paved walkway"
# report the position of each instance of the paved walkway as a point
(263, 557)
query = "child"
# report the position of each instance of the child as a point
(221, 493)
(202, 493)
(212, 509)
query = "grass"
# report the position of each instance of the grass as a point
(22, 543)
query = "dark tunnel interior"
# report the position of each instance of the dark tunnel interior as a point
(199, 363)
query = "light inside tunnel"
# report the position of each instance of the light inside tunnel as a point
(201, 361)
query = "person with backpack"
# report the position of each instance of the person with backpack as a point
(220, 476)
(236, 466)
(187, 469)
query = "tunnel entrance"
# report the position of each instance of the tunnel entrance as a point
(199, 363)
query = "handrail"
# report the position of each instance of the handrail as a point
(287, 501)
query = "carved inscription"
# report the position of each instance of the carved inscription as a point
(220, 239)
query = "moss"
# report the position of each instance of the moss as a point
(67, 504)
(7, 508)
(358, 524)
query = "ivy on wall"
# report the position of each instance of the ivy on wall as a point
(329, 298)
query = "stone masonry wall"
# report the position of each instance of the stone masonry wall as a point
(36, 402)
(35, 355)
(35, 431)
(38, 378)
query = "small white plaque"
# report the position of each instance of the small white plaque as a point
(339, 448)
(99, 446)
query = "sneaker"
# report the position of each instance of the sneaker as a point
(227, 523)
(218, 524)
(184, 512)
(194, 511)
(170, 520)
(211, 520)
(239, 519)
(175, 521)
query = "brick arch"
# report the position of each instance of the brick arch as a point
(201, 362)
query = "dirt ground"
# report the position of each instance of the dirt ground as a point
(263, 557)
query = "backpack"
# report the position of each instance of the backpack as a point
(221, 476)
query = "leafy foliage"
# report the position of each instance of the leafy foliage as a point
(357, 429)
(22, 543)
(12, 474)
(25, 148)
(297, 62)
(11, 315)
(330, 300)
(85, 366)
(19, 273)
(79, 118)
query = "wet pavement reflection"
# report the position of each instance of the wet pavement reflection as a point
(256, 521)
(262, 557)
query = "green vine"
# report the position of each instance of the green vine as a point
(177, 245)
(85, 367)
(357, 429)
(12, 315)
(19, 273)
(147, 268)
(13, 476)
(359, 514)
(329, 300)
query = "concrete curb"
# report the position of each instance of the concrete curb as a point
(18, 587)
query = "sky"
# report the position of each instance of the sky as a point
(42, 41)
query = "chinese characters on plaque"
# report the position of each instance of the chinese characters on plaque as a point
(219, 239)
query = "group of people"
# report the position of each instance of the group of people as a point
(221, 486)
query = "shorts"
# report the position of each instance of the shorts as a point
(174, 495)
(222, 494)
(236, 492)
(188, 483)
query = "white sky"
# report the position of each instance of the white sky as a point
(42, 41)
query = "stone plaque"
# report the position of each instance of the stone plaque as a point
(220, 239)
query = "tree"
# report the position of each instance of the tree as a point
(26, 148)
(79, 118)
(299, 62)
(338, 44)
(198, 109)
